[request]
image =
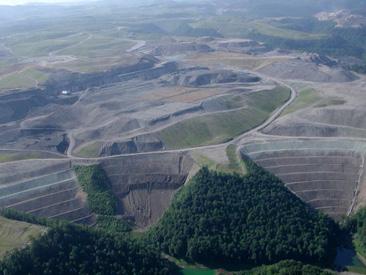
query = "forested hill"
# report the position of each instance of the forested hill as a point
(69, 249)
(228, 219)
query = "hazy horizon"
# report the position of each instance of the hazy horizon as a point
(24, 2)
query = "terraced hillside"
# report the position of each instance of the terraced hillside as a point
(144, 184)
(46, 188)
(326, 174)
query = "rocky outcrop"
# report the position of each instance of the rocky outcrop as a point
(197, 78)
(144, 143)
(319, 59)
(181, 48)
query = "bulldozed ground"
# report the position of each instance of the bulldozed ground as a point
(152, 102)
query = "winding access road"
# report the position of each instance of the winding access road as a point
(237, 140)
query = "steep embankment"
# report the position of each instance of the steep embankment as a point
(146, 184)
(46, 188)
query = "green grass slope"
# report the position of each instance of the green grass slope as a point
(16, 234)
(306, 98)
(224, 126)
(210, 129)
(221, 219)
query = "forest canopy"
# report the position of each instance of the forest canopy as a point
(229, 219)
(70, 249)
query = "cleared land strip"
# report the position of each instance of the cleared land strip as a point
(73, 211)
(37, 188)
(325, 189)
(58, 207)
(309, 181)
(313, 172)
(300, 165)
(42, 197)
(36, 180)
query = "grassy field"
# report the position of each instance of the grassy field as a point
(305, 98)
(30, 46)
(228, 26)
(81, 50)
(15, 234)
(270, 30)
(310, 97)
(23, 79)
(89, 150)
(97, 45)
(269, 100)
(224, 126)
(211, 129)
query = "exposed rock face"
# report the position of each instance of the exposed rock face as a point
(319, 59)
(181, 48)
(50, 139)
(144, 143)
(146, 184)
(63, 145)
(343, 19)
(200, 77)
